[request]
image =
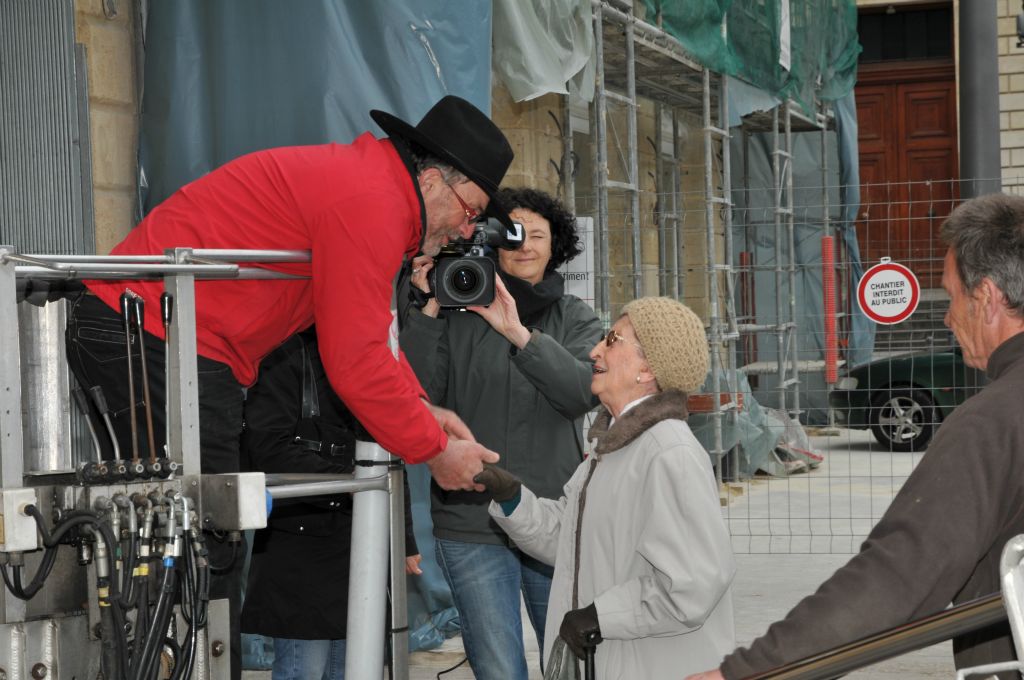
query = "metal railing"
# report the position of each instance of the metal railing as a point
(893, 642)
(377, 483)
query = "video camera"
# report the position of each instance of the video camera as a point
(463, 274)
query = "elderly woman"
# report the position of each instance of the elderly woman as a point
(517, 372)
(641, 553)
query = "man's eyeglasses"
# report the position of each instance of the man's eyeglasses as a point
(614, 337)
(471, 215)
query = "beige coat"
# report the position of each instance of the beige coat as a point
(654, 551)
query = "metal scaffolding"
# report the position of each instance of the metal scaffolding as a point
(782, 122)
(637, 60)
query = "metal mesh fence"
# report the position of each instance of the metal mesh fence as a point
(808, 464)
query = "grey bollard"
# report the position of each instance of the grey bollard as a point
(368, 571)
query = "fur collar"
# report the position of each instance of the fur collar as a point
(670, 404)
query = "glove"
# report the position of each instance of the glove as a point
(580, 629)
(503, 485)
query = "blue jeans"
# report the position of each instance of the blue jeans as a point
(308, 659)
(486, 581)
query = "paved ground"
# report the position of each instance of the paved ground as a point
(790, 535)
(766, 587)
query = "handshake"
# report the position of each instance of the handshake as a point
(501, 484)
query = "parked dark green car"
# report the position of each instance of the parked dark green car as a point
(903, 399)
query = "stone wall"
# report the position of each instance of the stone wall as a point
(107, 29)
(1011, 95)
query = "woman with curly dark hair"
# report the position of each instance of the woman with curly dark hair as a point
(518, 373)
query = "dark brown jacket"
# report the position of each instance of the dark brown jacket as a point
(939, 542)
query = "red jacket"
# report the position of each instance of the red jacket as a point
(356, 208)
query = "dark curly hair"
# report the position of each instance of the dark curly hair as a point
(565, 243)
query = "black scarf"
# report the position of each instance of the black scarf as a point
(531, 299)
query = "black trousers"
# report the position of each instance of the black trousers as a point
(97, 355)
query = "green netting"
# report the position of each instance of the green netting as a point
(823, 44)
(697, 24)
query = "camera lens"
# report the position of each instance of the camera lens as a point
(467, 280)
(464, 279)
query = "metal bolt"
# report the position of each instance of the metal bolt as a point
(39, 671)
(217, 648)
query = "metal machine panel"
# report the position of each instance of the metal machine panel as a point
(17, 529)
(37, 649)
(234, 502)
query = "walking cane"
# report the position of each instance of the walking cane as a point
(592, 640)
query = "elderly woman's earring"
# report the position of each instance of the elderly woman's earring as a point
(638, 379)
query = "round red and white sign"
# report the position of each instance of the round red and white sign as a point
(888, 293)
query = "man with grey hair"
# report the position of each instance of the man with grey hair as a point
(940, 541)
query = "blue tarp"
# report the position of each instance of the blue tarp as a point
(229, 77)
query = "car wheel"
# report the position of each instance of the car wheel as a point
(903, 419)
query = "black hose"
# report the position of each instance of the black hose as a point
(14, 583)
(128, 579)
(218, 569)
(115, 639)
(161, 617)
(124, 648)
(110, 654)
(195, 601)
(141, 619)
(52, 540)
(114, 596)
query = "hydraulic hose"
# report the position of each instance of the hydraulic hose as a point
(161, 618)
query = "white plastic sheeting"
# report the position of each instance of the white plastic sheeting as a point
(543, 46)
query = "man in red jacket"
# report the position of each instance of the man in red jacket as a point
(360, 209)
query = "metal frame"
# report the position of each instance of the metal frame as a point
(378, 514)
(635, 58)
(782, 121)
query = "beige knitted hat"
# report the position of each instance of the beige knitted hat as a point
(673, 340)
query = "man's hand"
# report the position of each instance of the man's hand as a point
(451, 423)
(707, 675)
(580, 629)
(412, 565)
(503, 315)
(455, 467)
(421, 266)
(503, 485)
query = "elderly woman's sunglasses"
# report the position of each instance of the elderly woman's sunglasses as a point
(612, 337)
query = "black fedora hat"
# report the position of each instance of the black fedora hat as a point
(461, 135)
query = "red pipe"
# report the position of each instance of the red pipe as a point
(828, 282)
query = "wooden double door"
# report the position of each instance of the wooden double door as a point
(909, 167)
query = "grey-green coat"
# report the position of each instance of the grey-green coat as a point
(526, 405)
